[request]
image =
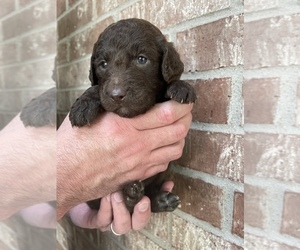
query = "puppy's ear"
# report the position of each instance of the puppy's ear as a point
(93, 77)
(172, 66)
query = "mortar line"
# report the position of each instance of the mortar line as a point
(28, 88)
(287, 101)
(205, 226)
(272, 129)
(286, 9)
(217, 128)
(276, 237)
(29, 33)
(220, 182)
(266, 182)
(17, 11)
(272, 72)
(155, 239)
(31, 61)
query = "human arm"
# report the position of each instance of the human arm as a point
(27, 166)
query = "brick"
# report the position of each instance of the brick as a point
(23, 3)
(213, 45)
(11, 101)
(188, 236)
(260, 100)
(199, 199)
(298, 105)
(82, 43)
(257, 5)
(60, 7)
(62, 53)
(177, 11)
(30, 74)
(272, 42)
(136, 241)
(238, 215)
(8, 53)
(76, 74)
(107, 5)
(72, 2)
(213, 100)
(90, 237)
(214, 153)
(256, 242)
(7, 6)
(255, 205)
(81, 15)
(290, 219)
(39, 44)
(272, 156)
(159, 225)
(37, 16)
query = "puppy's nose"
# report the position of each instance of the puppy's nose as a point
(118, 94)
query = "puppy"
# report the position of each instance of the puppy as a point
(133, 67)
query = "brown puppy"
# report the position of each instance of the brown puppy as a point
(132, 68)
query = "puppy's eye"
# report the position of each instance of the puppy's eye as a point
(142, 60)
(103, 64)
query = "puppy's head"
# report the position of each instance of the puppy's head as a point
(132, 63)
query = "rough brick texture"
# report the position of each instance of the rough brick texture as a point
(290, 222)
(214, 45)
(271, 146)
(238, 214)
(274, 156)
(261, 97)
(213, 100)
(272, 42)
(200, 199)
(214, 153)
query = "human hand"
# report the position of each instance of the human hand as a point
(114, 214)
(99, 159)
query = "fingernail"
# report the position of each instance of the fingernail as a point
(144, 207)
(118, 197)
(108, 198)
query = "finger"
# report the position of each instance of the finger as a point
(161, 115)
(141, 214)
(83, 216)
(167, 186)
(167, 153)
(122, 218)
(105, 213)
(170, 134)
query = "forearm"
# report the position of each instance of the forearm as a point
(27, 167)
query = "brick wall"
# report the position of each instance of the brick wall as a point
(272, 143)
(209, 176)
(27, 51)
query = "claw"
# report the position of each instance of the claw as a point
(181, 100)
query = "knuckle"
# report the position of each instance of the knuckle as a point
(166, 115)
(180, 132)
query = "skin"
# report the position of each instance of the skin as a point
(113, 151)
(27, 166)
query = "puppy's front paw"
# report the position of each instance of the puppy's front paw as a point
(86, 107)
(83, 112)
(181, 92)
(133, 193)
(164, 202)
